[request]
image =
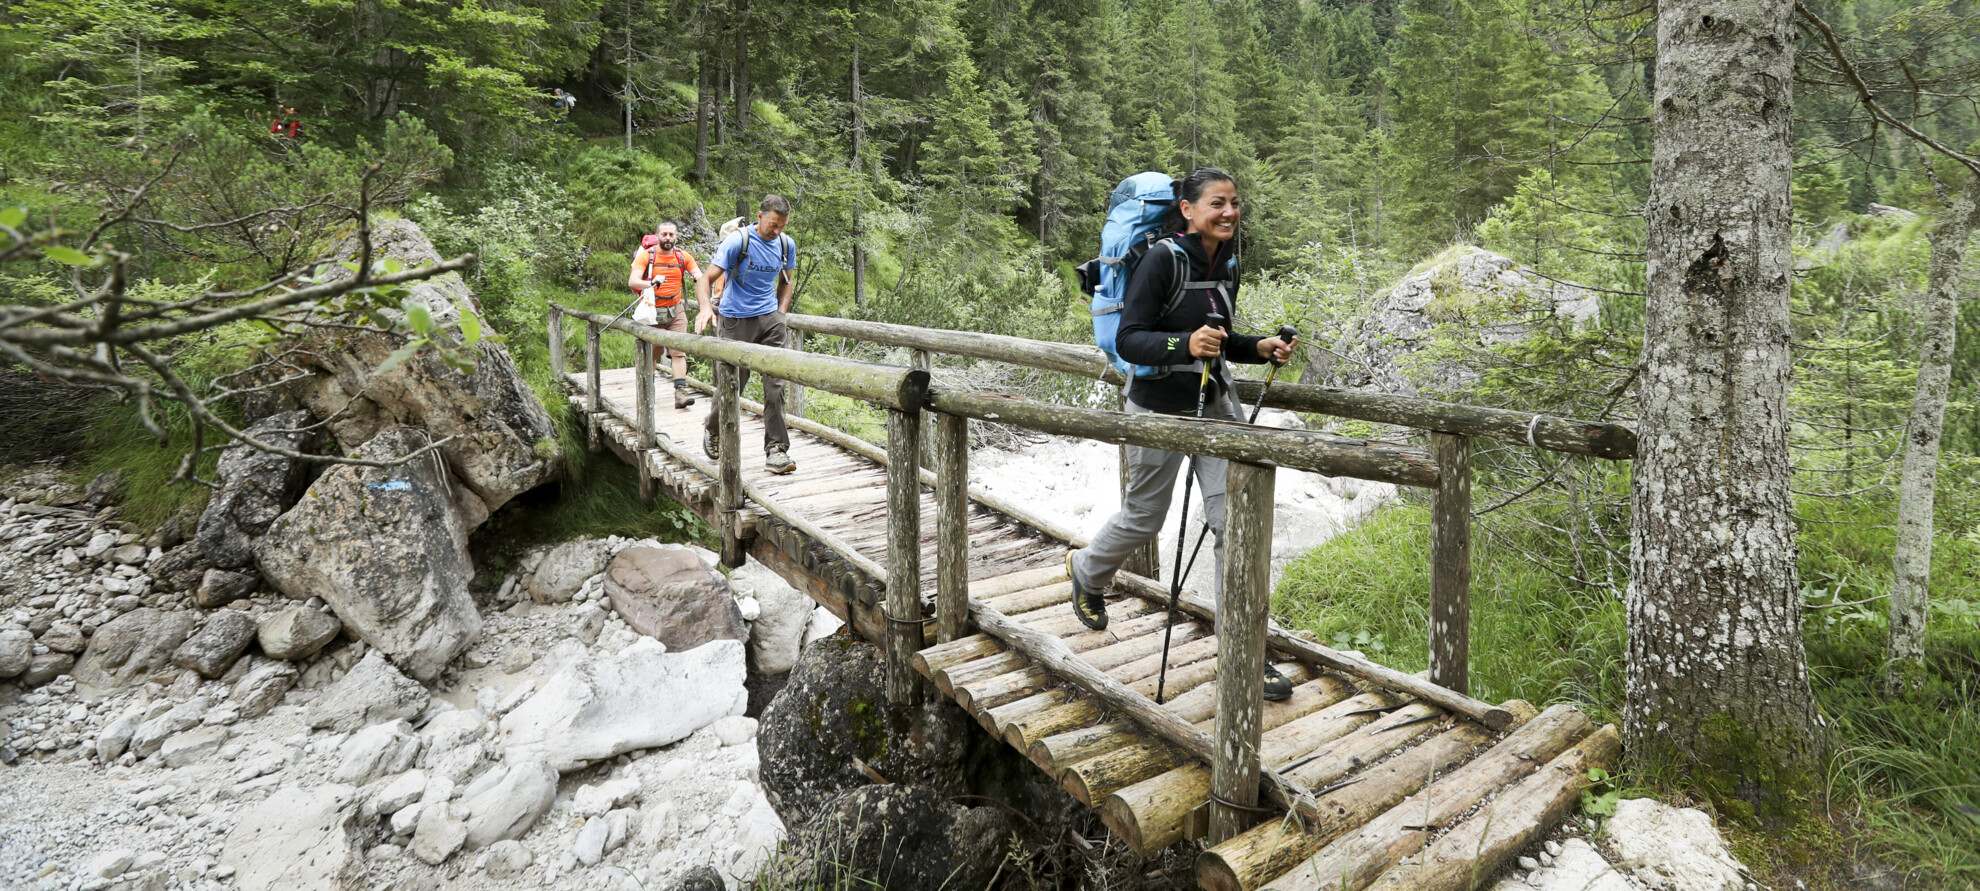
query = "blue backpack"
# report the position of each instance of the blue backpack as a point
(1134, 217)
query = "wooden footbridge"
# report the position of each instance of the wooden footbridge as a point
(1366, 777)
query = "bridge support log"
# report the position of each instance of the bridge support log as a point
(643, 412)
(1242, 610)
(728, 451)
(1450, 563)
(903, 613)
(594, 400)
(556, 326)
(951, 526)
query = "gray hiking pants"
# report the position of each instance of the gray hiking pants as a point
(767, 330)
(1151, 485)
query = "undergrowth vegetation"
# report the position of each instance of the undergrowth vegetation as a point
(1901, 779)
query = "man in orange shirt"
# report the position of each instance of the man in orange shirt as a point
(659, 270)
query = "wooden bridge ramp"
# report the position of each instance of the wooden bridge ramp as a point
(1406, 794)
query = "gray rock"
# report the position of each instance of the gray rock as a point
(1673, 848)
(387, 548)
(377, 751)
(507, 858)
(297, 633)
(396, 794)
(590, 845)
(777, 635)
(670, 595)
(109, 864)
(152, 734)
(1465, 292)
(255, 488)
(47, 667)
(64, 637)
(1577, 866)
(219, 587)
(565, 568)
(16, 650)
(263, 687)
(438, 834)
(701, 878)
(599, 706)
(213, 649)
(116, 735)
(188, 746)
(895, 836)
(102, 488)
(298, 840)
(127, 649)
(506, 807)
(129, 555)
(373, 691)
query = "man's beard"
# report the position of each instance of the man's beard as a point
(666, 245)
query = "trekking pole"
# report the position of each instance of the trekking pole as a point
(1182, 525)
(1286, 333)
(629, 308)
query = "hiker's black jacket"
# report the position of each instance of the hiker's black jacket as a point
(1148, 338)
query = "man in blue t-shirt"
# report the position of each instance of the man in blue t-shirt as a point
(751, 284)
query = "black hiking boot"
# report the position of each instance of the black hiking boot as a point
(711, 445)
(1089, 606)
(683, 397)
(778, 461)
(1277, 687)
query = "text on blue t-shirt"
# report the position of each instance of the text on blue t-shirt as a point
(752, 292)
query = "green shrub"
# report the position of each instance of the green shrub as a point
(622, 195)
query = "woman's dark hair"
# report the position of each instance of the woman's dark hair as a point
(1190, 189)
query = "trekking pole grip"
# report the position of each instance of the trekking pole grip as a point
(1286, 333)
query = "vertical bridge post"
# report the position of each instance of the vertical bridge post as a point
(728, 485)
(951, 526)
(643, 416)
(1450, 563)
(1242, 609)
(903, 607)
(594, 398)
(793, 392)
(557, 346)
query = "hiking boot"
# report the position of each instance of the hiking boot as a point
(683, 397)
(777, 461)
(711, 445)
(1277, 687)
(1089, 606)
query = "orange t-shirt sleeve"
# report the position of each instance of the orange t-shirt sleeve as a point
(688, 262)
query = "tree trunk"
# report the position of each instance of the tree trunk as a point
(1717, 675)
(858, 149)
(629, 79)
(702, 99)
(742, 107)
(1911, 563)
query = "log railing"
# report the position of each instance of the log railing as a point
(1241, 612)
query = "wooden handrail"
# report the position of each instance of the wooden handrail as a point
(1268, 446)
(1593, 438)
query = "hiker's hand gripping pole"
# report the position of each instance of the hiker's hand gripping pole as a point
(1182, 526)
(1290, 336)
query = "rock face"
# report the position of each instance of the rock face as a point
(298, 840)
(670, 595)
(1473, 295)
(255, 488)
(600, 705)
(564, 570)
(386, 546)
(785, 612)
(834, 709)
(214, 648)
(895, 836)
(128, 648)
(1676, 848)
(372, 692)
(503, 439)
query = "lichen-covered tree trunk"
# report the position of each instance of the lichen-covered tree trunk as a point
(1717, 677)
(1911, 562)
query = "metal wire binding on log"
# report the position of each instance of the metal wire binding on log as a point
(882, 608)
(1249, 809)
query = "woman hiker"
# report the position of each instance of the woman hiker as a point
(1204, 218)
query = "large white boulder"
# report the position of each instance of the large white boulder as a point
(1673, 848)
(595, 708)
(1578, 867)
(564, 570)
(783, 615)
(298, 840)
(387, 548)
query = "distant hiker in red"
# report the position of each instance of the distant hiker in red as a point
(287, 124)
